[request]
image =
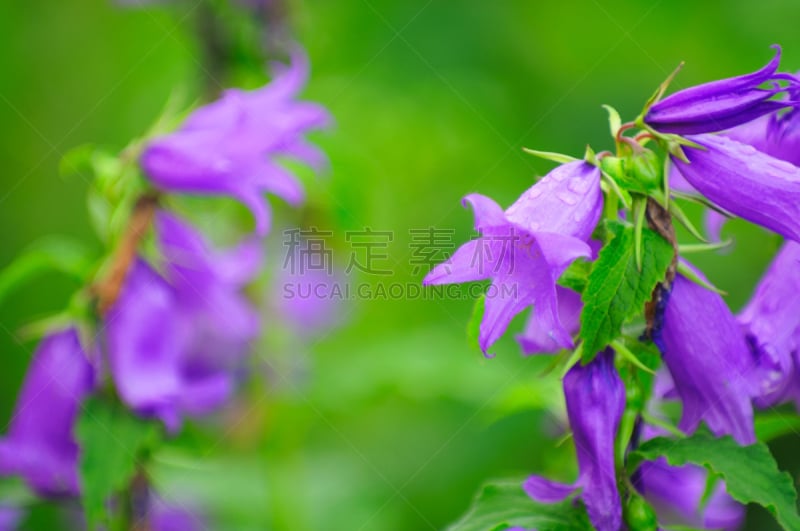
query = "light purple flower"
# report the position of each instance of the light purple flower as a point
(535, 339)
(746, 182)
(595, 397)
(721, 104)
(165, 516)
(526, 248)
(40, 445)
(771, 321)
(230, 147)
(707, 356)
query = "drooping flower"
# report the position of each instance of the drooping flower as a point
(771, 321)
(152, 353)
(746, 182)
(526, 248)
(230, 147)
(676, 494)
(595, 397)
(40, 445)
(707, 356)
(721, 104)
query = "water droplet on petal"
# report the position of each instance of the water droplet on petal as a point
(579, 185)
(567, 197)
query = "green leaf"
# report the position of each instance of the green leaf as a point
(503, 504)
(49, 254)
(617, 291)
(774, 424)
(750, 472)
(112, 442)
(576, 275)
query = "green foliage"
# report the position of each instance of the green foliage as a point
(503, 504)
(773, 424)
(112, 441)
(617, 290)
(49, 254)
(576, 275)
(750, 472)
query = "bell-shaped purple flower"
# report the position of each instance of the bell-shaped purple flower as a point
(526, 248)
(771, 321)
(721, 104)
(676, 494)
(746, 182)
(40, 445)
(535, 339)
(159, 366)
(707, 356)
(230, 147)
(595, 397)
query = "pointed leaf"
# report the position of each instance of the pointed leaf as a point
(617, 290)
(503, 504)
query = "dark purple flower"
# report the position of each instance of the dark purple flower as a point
(771, 321)
(595, 397)
(231, 147)
(777, 135)
(40, 445)
(721, 104)
(676, 494)
(707, 356)
(526, 248)
(746, 182)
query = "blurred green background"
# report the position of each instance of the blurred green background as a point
(392, 421)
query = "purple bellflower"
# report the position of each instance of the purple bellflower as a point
(721, 104)
(40, 445)
(707, 356)
(526, 248)
(595, 397)
(230, 147)
(676, 493)
(159, 366)
(777, 135)
(746, 182)
(771, 321)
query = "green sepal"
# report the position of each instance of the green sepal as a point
(551, 156)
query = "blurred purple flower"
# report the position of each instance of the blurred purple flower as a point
(771, 321)
(207, 282)
(160, 362)
(526, 248)
(595, 397)
(230, 147)
(707, 356)
(40, 445)
(164, 516)
(306, 298)
(721, 104)
(746, 182)
(676, 493)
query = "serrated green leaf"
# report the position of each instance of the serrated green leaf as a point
(49, 254)
(503, 504)
(750, 472)
(617, 291)
(112, 441)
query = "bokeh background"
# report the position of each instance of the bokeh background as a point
(392, 420)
